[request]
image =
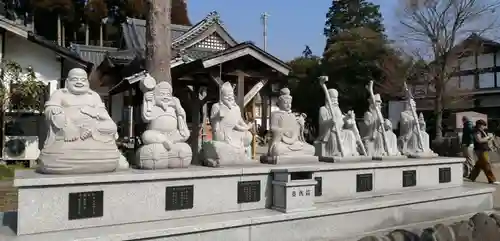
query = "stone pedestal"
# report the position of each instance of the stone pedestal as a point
(248, 203)
(293, 189)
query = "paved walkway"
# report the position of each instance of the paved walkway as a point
(482, 178)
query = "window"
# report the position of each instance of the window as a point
(468, 63)
(467, 82)
(498, 58)
(486, 80)
(485, 61)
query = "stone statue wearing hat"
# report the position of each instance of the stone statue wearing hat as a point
(164, 140)
(287, 130)
(230, 133)
(377, 131)
(413, 139)
(337, 136)
(82, 135)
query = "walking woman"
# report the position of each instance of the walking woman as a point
(481, 147)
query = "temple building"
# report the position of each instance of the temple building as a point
(203, 57)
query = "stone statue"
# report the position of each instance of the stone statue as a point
(337, 134)
(392, 139)
(287, 130)
(164, 140)
(374, 136)
(82, 135)
(413, 140)
(230, 134)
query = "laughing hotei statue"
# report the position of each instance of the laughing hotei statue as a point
(231, 135)
(338, 137)
(377, 135)
(413, 140)
(82, 135)
(288, 142)
(164, 140)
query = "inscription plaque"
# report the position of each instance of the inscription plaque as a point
(318, 188)
(83, 205)
(179, 197)
(364, 182)
(444, 175)
(248, 191)
(409, 178)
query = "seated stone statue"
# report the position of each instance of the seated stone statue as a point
(287, 130)
(82, 135)
(230, 134)
(336, 130)
(392, 139)
(164, 140)
(409, 141)
(373, 137)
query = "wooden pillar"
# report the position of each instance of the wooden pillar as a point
(241, 91)
(264, 107)
(101, 41)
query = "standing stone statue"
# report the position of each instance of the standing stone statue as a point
(287, 130)
(374, 136)
(413, 140)
(337, 133)
(379, 139)
(164, 140)
(230, 134)
(392, 139)
(81, 137)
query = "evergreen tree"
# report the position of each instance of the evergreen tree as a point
(355, 43)
(348, 14)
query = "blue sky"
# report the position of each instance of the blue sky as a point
(292, 23)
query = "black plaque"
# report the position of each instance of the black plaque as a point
(85, 205)
(179, 197)
(318, 188)
(364, 182)
(444, 175)
(409, 178)
(248, 191)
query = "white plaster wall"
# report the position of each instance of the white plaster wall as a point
(44, 62)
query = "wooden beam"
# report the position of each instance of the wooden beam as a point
(252, 92)
(241, 91)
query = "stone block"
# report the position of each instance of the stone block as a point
(485, 228)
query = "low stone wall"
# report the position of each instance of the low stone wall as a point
(479, 227)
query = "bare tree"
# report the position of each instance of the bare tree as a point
(433, 28)
(158, 40)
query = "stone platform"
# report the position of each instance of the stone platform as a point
(258, 202)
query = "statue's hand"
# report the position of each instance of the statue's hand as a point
(71, 134)
(89, 111)
(148, 96)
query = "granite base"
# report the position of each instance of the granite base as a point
(62, 204)
(329, 221)
(332, 159)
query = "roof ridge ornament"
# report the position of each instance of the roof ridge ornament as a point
(214, 17)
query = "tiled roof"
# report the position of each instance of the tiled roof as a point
(91, 54)
(134, 32)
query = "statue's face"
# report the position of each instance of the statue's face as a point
(228, 99)
(78, 83)
(335, 100)
(163, 96)
(378, 104)
(286, 105)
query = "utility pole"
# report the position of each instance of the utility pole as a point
(263, 105)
